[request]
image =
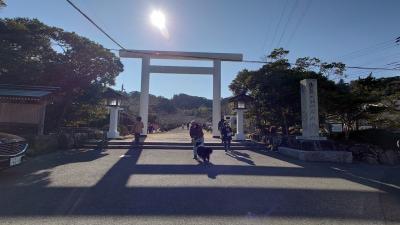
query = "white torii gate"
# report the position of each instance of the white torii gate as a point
(147, 68)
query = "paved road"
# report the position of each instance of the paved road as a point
(167, 187)
(177, 135)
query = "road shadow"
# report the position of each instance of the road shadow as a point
(242, 157)
(380, 177)
(112, 196)
(34, 168)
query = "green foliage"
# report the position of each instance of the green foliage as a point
(171, 113)
(33, 53)
(184, 101)
(275, 88)
(307, 63)
(383, 93)
(380, 137)
(123, 129)
(344, 105)
(165, 105)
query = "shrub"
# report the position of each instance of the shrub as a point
(386, 139)
(123, 130)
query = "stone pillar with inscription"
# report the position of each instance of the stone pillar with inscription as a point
(309, 110)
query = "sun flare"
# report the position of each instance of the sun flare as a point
(158, 19)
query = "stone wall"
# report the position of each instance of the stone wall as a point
(373, 154)
(317, 156)
(42, 144)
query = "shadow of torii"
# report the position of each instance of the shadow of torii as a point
(111, 196)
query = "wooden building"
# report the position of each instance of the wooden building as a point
(23, 108)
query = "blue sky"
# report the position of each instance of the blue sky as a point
(327, 29)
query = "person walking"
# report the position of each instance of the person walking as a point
(197, 135)
(137, 129)
(226, 136)
(273, 140)
(221, 124)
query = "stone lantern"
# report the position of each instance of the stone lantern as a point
(113, 102)
(240, 103)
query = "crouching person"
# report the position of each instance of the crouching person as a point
(197, 135)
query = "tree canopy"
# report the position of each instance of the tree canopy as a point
(276, 90)
(33, 53)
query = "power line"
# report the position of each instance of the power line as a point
(298, 24)
(288, 21)
(259, 61)
(278, 24)
(395, 62)
(373, 52)
(367, 50)
(397, 40)
(371, 68)
(350, 67)
(267, 31)
(380, 59)
(97, 26)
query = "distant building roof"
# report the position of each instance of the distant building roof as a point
(25, 94)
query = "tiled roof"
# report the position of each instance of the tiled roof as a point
(23, 93)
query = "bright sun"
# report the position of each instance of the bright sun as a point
(158, 19)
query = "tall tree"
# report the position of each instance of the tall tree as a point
(382, 95)
(275, 88)
(2, 4)
(34, 53)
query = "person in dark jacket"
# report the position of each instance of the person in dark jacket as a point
(221, 124)
(197, 135)
(226, 133)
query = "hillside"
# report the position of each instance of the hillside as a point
(170, 113)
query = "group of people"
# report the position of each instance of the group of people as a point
(197, 135)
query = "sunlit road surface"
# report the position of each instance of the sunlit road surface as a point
(167, 186)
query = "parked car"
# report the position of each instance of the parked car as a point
(12, 150)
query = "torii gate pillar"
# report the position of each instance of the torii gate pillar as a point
(144, 93)
(216, 111)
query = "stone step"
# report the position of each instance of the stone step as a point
(178, 147)
(121, 143)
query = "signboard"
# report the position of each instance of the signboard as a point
(336, 127)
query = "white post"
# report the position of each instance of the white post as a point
(144, 92)
(216, 97)
(113, 128)
(239, 125)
